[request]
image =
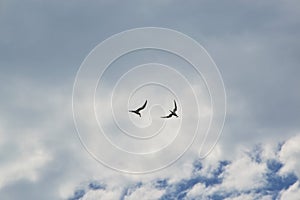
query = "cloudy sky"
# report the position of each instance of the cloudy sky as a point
(255, 46)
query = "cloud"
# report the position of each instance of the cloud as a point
(290, 155)
(148, 191)
(251, 175)
(101, 194)
(292, 192)
(198, 191)
(244, 174)
(255, 45)
(25, 161)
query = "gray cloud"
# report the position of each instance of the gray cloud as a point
(42, 44)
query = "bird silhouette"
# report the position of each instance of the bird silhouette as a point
(173, 112)
(137, 111)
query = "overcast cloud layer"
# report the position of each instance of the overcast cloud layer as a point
(255, 45)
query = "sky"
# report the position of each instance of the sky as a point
(255, 45)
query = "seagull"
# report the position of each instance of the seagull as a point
(173, 112)
(137, 111)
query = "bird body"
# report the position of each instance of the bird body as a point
(137, 111)
(172, 112)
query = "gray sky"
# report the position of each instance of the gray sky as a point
(42, 44)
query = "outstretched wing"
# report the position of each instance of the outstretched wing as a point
(141, 108)
(133, 111)
(168, 116)
(175, 109)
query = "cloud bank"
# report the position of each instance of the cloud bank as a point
(254, 44)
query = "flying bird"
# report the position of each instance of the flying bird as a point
(173, 112)
(137, 111)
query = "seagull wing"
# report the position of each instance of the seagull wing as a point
(175, 109)
(168, 116)
(141, 108)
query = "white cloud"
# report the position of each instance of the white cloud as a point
(37, 137)
(244, 174)
(269, 150)
(241, 177)
(147, 192)
(249, 196)
(290, 155)
(27, 157)
(292, 193)
(37, 151)
(266, 197)
(102, 194)
(212, 161)
(242, 197)
(198, 191)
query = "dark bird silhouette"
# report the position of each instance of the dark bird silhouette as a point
(173, 112)
(137, 111)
